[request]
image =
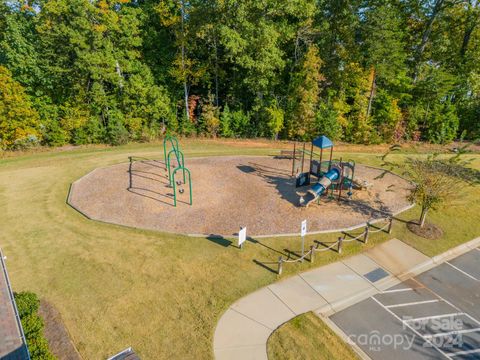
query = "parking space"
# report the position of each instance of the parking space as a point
(433, 316)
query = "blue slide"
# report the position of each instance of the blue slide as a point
(320, 187)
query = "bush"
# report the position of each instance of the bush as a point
(442, 124)
(240, 123)
(226, 122)
(27, 305)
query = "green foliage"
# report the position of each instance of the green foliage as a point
(240, 124)
(226, 122)
(28, 305)
(435, 180)
(326, 121)
(210, 118)
(276, 117)
(386, 116)
(442, 123)
(118, 71)
(306, 95)
(19, 122)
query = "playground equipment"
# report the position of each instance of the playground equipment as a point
(180, 166)
(320, 187)
(181, 191)
(336, 175)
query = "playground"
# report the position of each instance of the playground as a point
(147, 289)
(217, 195)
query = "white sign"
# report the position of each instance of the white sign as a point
(242, 236)
(304, 228)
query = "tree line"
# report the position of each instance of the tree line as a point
(362, 71)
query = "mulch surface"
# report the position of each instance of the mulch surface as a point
(428, 231)
(56, 334)
(228, 192)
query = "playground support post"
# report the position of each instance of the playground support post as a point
(311, 158)
(341, 180)
(340, 244)
(330, 161)
(294, 157)
(179, 164)
(320, 163)
(389, 230)
(280, 266)
(303, 157)
(173, 141)
(175, 184)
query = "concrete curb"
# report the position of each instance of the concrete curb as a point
(325, 312)
(461, 249)
(331, 308)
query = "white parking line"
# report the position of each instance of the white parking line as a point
(412, 303)
(466, 352)
(455, 332)
(411, 328)
(463, 272)
(396, 290)
(435, 317)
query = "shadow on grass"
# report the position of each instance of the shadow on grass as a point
(266, 266)
(219, 240)
(327, 245)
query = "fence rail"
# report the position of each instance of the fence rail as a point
(363, 237)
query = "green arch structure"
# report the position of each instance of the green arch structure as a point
(184, 169)
(173, 142)
(180, 163)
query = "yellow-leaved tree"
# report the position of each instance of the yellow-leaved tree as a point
(19, 121)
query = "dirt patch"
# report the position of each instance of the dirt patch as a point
(228, 192)
(56, 334)
(428, 231)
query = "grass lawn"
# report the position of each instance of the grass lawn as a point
(307, 337)
(162, 294)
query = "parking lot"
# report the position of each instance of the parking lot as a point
(435, 315)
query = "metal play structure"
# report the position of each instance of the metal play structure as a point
(333, 175)
(171, 146)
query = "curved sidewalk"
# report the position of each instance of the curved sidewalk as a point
(243, 330)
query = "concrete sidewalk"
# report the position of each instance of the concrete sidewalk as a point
(244, 329)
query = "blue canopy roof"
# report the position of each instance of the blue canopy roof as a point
(322, 142)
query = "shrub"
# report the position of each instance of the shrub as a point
(28, 304)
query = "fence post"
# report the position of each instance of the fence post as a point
(365, 238)
(390, 225)
(340, 243)
(312, 251)
(280, 267)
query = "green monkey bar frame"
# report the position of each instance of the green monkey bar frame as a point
(184, 169)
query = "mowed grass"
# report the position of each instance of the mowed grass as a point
(160, 293)
(307, 337)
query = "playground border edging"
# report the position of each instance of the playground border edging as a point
(231, 236)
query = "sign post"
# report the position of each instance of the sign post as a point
(303, 233)
(242, 237)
